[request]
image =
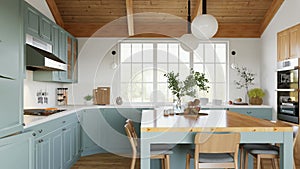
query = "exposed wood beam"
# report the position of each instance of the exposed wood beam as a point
(55, 12)
(270, 14)
(129, 10)
(198, 9)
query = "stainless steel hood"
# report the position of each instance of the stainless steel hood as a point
(39, 56)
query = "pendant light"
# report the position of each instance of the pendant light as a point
(204, 26)
(188, 41)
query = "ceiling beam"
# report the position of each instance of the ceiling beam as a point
(270, 14)
(129, 10)
(198, 9)
(55, 12)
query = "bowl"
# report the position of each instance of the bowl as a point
(216, 102)
(203, 101)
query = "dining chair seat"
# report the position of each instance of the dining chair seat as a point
(213, 157)
(262, 149)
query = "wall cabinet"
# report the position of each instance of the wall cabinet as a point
(57, 143)
(288, 43)
(37, 25)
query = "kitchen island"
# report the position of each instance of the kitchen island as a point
(181, 129)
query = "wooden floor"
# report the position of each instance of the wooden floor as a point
(110, 161)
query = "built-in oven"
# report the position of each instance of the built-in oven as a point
(288, 90)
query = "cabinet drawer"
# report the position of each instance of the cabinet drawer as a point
(48, 127)
(263, 113)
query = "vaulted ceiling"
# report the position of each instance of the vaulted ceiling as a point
(160, 18)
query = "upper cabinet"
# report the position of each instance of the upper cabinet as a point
(288, 43)
(64, 45)
(37, 24)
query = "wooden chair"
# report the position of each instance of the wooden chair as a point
(164, 155)
(264, 151)
(215, 151)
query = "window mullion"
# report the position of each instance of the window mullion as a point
(155, 80)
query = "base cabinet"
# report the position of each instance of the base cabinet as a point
(57, 148)
(262, 113)
(17, 152)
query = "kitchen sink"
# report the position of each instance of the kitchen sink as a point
(42, 112)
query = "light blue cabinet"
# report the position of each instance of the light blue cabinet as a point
(11, 65)
(263, 113)
(57, 143)
(16, 152)
(103, 129)
(37, 25)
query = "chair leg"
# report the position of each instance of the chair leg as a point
(275, 163)
(258, 162)
(163, 163)
(242, 158)
(132, 166)
(261, 164)
(167, 161)
(187, 161)
(246, 160)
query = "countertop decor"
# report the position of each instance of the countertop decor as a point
(256, 96)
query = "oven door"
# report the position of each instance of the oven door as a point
(288, 79)
(288, 105)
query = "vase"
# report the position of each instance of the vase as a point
(178, 105)
(256, 101)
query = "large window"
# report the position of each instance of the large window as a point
(144, 63)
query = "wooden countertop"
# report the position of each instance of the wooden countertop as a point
(215, 121)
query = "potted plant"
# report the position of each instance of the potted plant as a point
(256, 96)
(186, 87)
(88, 99)
(246, 79)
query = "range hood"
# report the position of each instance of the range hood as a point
(39, 56)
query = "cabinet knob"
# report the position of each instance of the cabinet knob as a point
(40, 131)
(63, 121)
(64, 129)
(41, 140)
(33, 134)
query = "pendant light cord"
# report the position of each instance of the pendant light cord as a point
(189, 16)
(204, 7)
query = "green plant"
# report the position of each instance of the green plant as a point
(256, 92)
(246, 78)
(186, 87)
(88, 97)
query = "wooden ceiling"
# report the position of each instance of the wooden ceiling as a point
(160, 18)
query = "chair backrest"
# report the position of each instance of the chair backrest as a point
(217, 143)
(132, 141)
(132, 130)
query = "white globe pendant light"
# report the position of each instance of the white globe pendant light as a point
(204, 26)
(189, 42)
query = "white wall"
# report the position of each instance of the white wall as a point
(32, 87)
(95, 59)
(287, 16)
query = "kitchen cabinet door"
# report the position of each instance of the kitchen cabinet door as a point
(294, 33)
(43, 155)
(55, 38)
(32, 21)
(68, 145)
(57, 143)
(17, 152)
(283, 43)
(11, 65)
(37, 25)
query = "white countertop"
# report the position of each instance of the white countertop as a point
(30, 120)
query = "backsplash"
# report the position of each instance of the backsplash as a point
(39, 94)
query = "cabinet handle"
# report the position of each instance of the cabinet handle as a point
(40, 131)
(63, 121)
(64, 129)
(249, 112)
(41, 140)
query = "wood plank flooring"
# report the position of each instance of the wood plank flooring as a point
(110, 161)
